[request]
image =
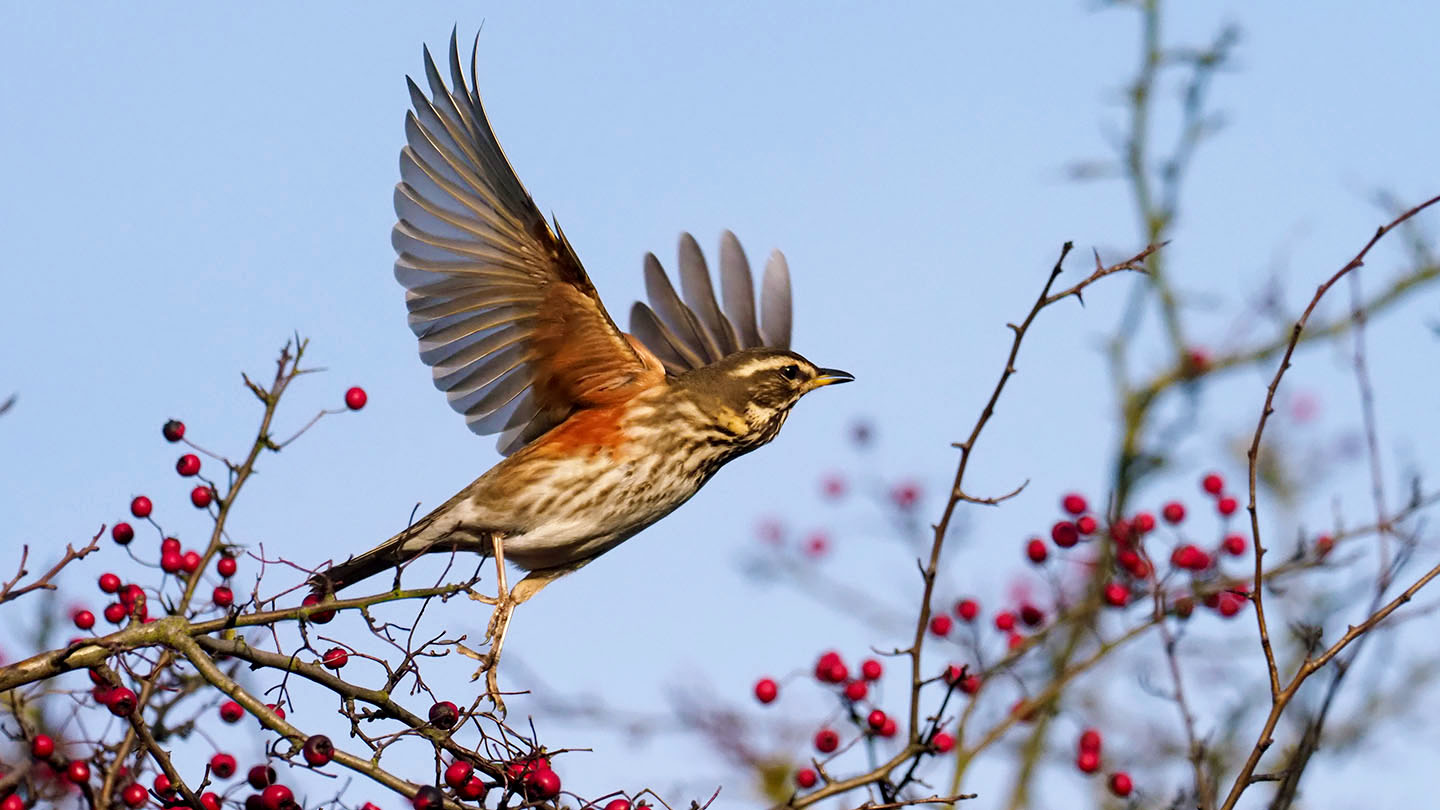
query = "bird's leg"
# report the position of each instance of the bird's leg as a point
(500, 619)
(495, 632)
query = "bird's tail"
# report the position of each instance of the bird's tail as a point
(393, 553)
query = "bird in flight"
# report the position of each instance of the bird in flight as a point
(602, 432)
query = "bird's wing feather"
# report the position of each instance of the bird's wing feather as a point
(505, 314)
(695, 331)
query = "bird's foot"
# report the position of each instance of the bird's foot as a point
(495, 636)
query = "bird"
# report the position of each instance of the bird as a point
(602, 432)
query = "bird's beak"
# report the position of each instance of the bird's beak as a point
(831, 376)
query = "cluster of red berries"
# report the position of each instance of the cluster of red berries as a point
(830, 669)
(1087, 760)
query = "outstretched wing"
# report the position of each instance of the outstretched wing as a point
(505, 314)
(691, 329)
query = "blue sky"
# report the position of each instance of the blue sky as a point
(187, 186)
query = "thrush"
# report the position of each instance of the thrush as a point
(603, 432)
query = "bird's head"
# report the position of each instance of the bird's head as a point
(750, 392)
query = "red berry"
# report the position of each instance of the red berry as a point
(876, 720)
(1227, 506)
(1074, 504)
(888, 730)
(1323, 545)
(472, 791)
(428, 797)
(201, 496)
(856, 690)
(1129, 560)
(122, 701)
(225, 566)
(1088, 761)
(134, 795)
(141, 507)
(1234, 544)
(335, 658)
(871, 670)
(42, 746)
(967, 609)
(190, 561)
(188, 465)
(806, 778)
(817, 544)
(260, 776)
(115, 613)
(942, 742)
(132, 594)
(1005, 621)
(318, 750)
(458, 773)
(209, 800)
(1116, 594)
(223, 596)
(170, 562)
(84, 619)
(12, 802)
(78, 772)
(122, 533)
(1031, 616)
(543, 783)
(834, 487)
(1086, 525)
(1212, 483)
(953, 674)
(766, 690)
(1230, 604)
(970, 684)
(940, 624)
(1064, 534)
(826, 740)
(1014, 641)
(223, 765)
(1173, 512)
(444, 714)
(1090, 740)
(1190, 558)
(109, 583)
(277, 797)
(231, 712)
(277, 709)
(162, 785)
(355, 398)
(319, 616)
(1120, 784)
(1144, 522)
(174, 430)
(618, 804)
(1036, 550)
(905, 495)
(830, 668)
(170, 545)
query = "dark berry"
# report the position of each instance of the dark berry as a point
(174, 430)
(319, 616)
(428, 797)
(260, 776)
(122, 701)
(122, 533)
(318, 750)
(444, 714)
(1064, 534)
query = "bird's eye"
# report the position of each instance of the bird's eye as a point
(790, 372)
